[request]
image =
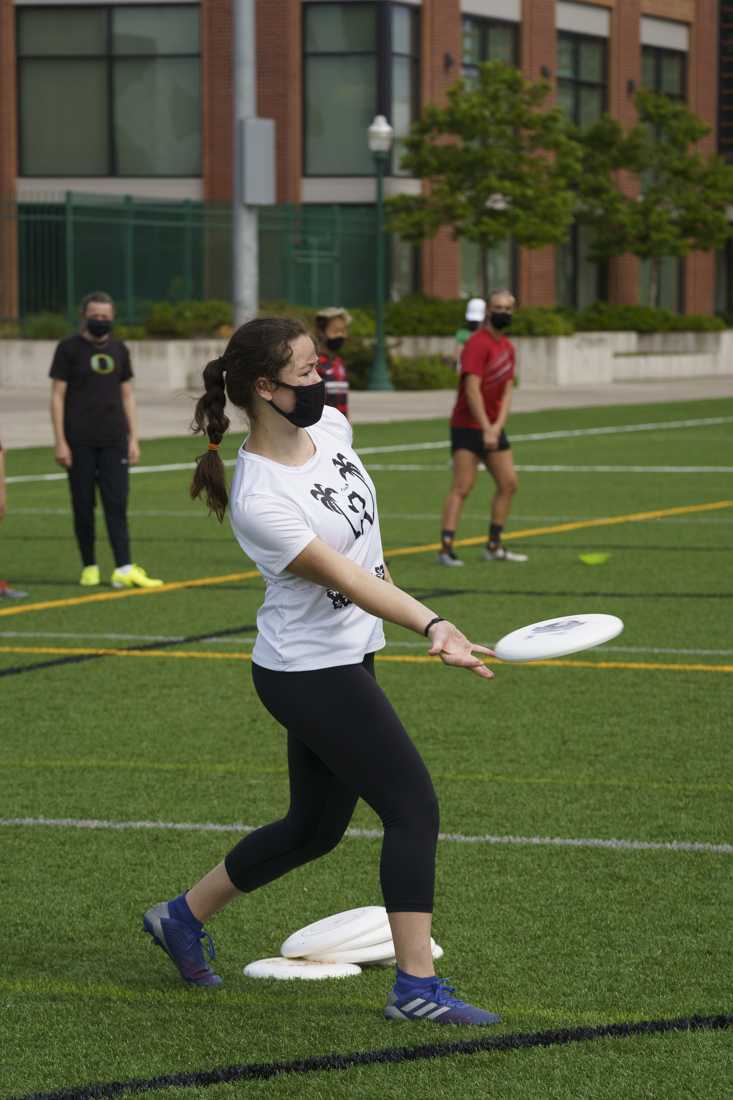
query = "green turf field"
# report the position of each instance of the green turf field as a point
(629, 743)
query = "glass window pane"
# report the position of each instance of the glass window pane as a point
(340, 103)
(76, 32)
(502, 44)
(590, 105)
(401, 30)
(648, 67)
(499, 267)
(565, 273)
(589, 288)
(471, 78)
(63, 118)
(673, 74)
(565, 56)
(591, 60)
(471, 42)
(670, 282)
(403, 98)
(157, 117)
(566, 98)
(170, 29)
(340, 28)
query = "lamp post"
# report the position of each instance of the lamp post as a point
(381, 136)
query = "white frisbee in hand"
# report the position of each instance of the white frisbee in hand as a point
(299, 969)
(558, 637)
(367, 924)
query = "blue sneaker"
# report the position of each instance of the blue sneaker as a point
(182, 944)
(435, 1003)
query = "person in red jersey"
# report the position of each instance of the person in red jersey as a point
(332, 329)
(477, 429)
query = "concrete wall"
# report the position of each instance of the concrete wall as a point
(586, 358)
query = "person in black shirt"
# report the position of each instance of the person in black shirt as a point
(95, 429)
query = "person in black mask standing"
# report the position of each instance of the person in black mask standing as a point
(332, 329)
(477, 430)
(95, 430)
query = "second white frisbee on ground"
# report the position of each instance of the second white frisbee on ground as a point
(336, 931)
(558, 637)
(376, 952)
(285, 969)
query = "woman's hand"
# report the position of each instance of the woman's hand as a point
(454, 648)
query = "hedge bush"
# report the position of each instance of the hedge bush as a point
(185, 320)
(602, 317)
(424, 372)
(45, 326)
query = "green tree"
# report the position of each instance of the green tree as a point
(498, 165)
(678, 197)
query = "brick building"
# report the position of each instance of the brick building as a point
(135, 99)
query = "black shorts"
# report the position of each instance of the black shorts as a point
(472, 439)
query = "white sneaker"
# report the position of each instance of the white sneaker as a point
(447, 557)
(502, 554)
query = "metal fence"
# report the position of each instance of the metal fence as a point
(142, 250)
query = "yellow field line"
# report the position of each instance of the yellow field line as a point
(207, 767)
(531, 532)
(203, 655)
(99, 597)
(577, 525)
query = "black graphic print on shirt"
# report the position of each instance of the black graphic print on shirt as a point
(357, 506)
(339, 600)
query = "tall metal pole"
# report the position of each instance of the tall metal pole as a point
(379, 374)
(245, 283)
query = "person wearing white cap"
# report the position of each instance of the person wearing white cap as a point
(475, 314)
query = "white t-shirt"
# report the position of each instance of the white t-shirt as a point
(275, 512)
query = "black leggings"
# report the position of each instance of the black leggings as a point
(345, 742)
(106, 467)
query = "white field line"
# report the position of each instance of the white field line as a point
(197, 513)
(423, 467)
(617, 429)
(239, 639)
(376, 834)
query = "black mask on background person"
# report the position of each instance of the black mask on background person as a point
(500, 319)
(335, 343)
(309, 402)
(98, 328)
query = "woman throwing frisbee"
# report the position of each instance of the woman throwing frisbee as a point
(303, 507)
(477, 430)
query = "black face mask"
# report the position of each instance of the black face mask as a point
(98, 328)
(500, 319)
(335, 343)
(309, 402)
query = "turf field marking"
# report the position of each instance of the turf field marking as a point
(574, 433)
(421, 467)
(173, 586)
(376, 834)
(208, 767)
(238, 639)
(263, 1071)
(202, 655)
(576, 525)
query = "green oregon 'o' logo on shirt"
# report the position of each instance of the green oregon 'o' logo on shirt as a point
(103, 364)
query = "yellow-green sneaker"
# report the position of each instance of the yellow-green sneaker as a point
(90, 576)
(134, 577)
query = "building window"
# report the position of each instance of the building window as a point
(724, 281)
(360, 59)
(488, 40)
(579, 281)
(501, 268)
(664, 71)
(581, 77)
(109, 91)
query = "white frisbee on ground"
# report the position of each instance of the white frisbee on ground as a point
(376, 952)
(334, 932)
(558, 637)
(285, 969)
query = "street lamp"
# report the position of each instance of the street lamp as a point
(381, 136)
